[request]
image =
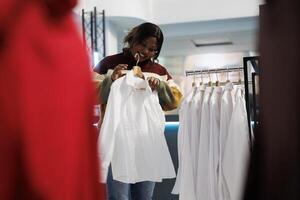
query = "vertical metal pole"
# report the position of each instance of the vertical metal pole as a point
(92, 37)
(95, 32)
(254, 100)
(103, 29)
(83, 27)
(245, 61)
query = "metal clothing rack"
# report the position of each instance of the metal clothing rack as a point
(217, 70)
(254, 61)
(93, 32)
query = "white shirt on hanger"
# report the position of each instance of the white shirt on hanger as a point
(132, 134)
(184, 185)
(195, 115)
(214, 132)
(225, 116)
(202, 185)
(237, 148)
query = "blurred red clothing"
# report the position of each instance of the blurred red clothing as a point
(47, 142)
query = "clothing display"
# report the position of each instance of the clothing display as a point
(132, 134)
(222, 128)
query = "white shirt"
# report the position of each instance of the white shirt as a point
(214, 132)
(202, 184)
(195, 115)
(132, 134)
(184, 185)
(237, 148)
(225, 116)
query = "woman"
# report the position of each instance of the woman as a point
(143, 45)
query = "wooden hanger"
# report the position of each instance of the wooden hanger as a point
(217, 82)
(227, 75)
(137, 71)
(209, 83)
(240, 80)
(201, 83)
(194, 79)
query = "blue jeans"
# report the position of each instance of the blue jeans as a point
(117, 190)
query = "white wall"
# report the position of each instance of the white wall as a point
(174, 11)
(112, 39)
(171, 11)
(130, 8)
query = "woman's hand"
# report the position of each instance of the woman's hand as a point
(153, 83)
(117, 73)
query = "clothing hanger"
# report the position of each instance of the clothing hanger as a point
(227, 75)
(209, 83)
(217, 82)
(137, 71)
(240, 80)
(201, 75)
(194, 79)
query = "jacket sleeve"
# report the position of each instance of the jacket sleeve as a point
(169, 95)
(97, 81)
(102, 84)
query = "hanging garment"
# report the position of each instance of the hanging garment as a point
(132, 134)
(195, 115)
(225, 116)
(214, 132)
(202, 184)
(237, 148)
(185, 185)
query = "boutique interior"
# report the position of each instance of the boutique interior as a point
(214, 117)
(204, 41)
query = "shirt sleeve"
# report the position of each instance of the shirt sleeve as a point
(169, 95)
(106, 140)
(97, 81)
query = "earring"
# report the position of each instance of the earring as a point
(152, 59)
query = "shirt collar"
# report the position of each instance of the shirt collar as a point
(136, 82)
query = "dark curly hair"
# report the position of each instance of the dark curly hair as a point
(143, 31)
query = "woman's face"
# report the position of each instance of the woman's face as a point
(146, 49)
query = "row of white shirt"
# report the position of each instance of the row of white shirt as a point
(213, 144)
(132, 138)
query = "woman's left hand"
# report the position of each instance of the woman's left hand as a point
(153, 83)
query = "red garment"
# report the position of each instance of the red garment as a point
(47, 142)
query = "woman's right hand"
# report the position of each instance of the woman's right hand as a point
(117, 73)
